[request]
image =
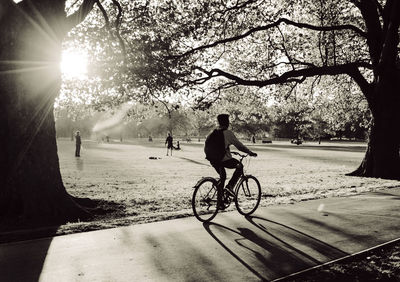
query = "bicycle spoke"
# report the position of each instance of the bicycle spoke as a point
(204, 200)
(246, 189)
(248, 195)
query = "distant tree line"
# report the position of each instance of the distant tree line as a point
(300, 117)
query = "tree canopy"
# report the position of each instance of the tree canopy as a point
(281, 46)
(176, 49)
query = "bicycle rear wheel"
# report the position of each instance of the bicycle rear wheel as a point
(204, 200)
(248, 195)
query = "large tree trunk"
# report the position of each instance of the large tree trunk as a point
(382, 157)
(30, 47)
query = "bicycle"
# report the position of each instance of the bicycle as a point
(247, 195)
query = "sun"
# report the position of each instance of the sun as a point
(74, 64)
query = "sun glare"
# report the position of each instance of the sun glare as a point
(74, 64)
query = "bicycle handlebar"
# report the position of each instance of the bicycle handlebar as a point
(239, 154)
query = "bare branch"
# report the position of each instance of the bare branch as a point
(289, 76)
(118, 21)
(239, 6)
(324, 28)
(365, 87)
(290, 91)
(284, 48)
(317, 78)
(202, 103)
(272, 25)
(159, 100)
(80, 15)
(105, 16)
(295, 62)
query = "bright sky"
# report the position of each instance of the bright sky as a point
(74, 64)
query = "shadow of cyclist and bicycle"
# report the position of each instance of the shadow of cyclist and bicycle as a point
(270, 249)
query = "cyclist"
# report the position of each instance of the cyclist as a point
(227, 160)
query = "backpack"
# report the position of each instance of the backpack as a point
(214, 147)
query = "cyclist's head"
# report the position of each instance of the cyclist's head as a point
(223, 120)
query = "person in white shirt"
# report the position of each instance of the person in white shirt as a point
(228, 161)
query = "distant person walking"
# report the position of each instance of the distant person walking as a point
(77, 144)
(169, 143)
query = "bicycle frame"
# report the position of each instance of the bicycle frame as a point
(212, 197)
(246, 189)
(242, 176)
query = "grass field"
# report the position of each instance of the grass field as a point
(135, 188)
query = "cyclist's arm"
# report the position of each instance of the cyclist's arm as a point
(231, 138)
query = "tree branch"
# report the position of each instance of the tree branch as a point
(289, 76)
(369, 12)
(118, 22)
(285, 50)
(105, 16)
(391, 40)
(80, 15)
(86, 7)
(365, 87)
(159, 100)
(237, 6)
(203, 104)
(272, 25)
(290, 91)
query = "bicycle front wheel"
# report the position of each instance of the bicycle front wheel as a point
(204, 200)
(248, 195)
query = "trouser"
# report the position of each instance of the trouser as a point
(220, 168)
(78, 150)
(170, 147)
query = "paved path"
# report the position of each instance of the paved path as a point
(275, 242)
